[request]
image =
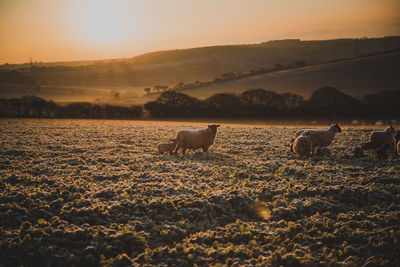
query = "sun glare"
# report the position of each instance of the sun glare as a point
(103, 22)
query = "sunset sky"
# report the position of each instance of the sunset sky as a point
(65, 30)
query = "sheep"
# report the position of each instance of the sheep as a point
(381, 141)
(321, 138)
(167, 147)
(377, 139)
(302, 145)
(195, 139)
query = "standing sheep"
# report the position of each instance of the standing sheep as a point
(195, 139)
(302, 145)
(381, 140)
(321, 138)
(167, 147)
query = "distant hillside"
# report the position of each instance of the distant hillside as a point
(124, 79)
(188, 65)
(245, 57)
(355, 77)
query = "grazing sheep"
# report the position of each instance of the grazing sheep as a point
(167, 147)
(321, 138)
(381, 141)
(195, 139)
(379, 138)
(302, 145)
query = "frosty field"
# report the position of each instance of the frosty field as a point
(87, 192)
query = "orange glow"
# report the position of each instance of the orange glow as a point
(65, 30)
(102, 22)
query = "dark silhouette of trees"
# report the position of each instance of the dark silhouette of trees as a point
(383, 103)
(260, 102)
(324, 103)
(293, 101)
(36, 107)
(329, 102)
(224, 105)
(174, 104)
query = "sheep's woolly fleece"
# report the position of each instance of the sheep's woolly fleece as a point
(302, 145)
(98, 193)
(380, 138)
(321, 137)
(167, 147)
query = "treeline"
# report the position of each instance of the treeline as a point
(324, 103)
(36, 107)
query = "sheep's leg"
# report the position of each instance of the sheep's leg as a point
(291, 145)
(314, 150)
(179, 144)
(205, 148)
(183, 150)
(368, 145)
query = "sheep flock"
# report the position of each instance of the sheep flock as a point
(97, 193)
(307, 142)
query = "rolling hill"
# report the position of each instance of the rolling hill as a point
(123, 80)
(355, 77)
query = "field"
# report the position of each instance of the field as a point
(81, 192)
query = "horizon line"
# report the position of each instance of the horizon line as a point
(195, 47)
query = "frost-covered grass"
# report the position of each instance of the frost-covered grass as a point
(96, 192)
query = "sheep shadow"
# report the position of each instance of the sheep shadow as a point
(209, 157)
(347, 157)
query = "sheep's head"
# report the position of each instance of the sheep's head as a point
(390, 130)
(213, 128)
(336, 127)
(174, 141)
(306, 134)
